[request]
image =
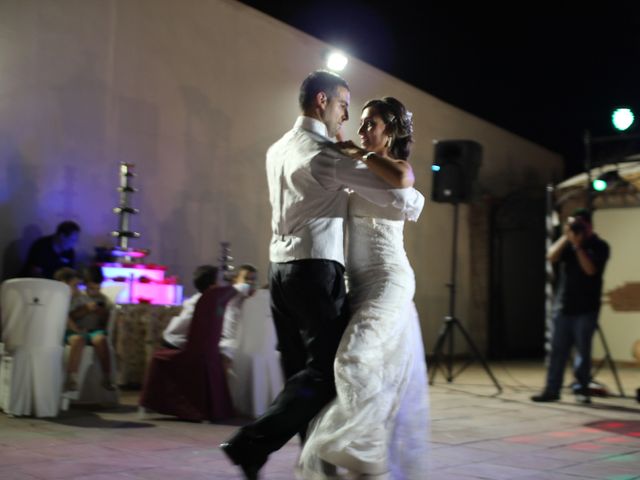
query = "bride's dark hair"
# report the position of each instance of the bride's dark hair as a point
(398, 122)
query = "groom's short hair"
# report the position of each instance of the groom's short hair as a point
(319, 81)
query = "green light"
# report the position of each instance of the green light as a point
(599, 185)
(609, 180)
(622, 118)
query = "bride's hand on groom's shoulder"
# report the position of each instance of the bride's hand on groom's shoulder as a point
(351, 149)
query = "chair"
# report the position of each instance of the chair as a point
(90, 389)
(34, 317)
(257, 374)
(190, 383)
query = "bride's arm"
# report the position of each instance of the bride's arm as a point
(397, 173)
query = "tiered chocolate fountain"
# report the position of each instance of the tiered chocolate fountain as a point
(139, 282)
(124, 211)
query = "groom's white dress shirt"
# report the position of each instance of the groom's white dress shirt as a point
(307, 180)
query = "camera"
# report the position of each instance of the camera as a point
(578, 226)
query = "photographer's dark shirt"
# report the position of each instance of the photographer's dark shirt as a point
(42, 255)
(578, 292)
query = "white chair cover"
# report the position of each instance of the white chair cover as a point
(34, 317)
(257, 374)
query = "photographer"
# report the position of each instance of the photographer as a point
(581, 256)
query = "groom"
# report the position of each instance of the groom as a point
(307, 177)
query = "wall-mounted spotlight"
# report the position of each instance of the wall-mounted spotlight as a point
(336, 61)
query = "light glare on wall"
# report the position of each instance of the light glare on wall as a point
(336, 61)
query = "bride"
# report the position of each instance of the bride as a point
(377, 425)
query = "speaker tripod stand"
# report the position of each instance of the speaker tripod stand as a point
(607, 360)
(450, 323)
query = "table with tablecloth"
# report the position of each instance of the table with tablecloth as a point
(136, 332)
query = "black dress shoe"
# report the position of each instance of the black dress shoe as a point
(546, 397)
(583, 395)
(247, 460)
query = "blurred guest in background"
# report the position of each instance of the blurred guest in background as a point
(52, 252)
(87, 324)
(72, 278)
(245, 284)
(92, 315)
(175, 335)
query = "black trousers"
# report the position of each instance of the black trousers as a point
(310, 312)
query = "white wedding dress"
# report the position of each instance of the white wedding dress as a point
(377, 426)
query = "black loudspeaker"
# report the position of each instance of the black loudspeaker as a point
(455, 167)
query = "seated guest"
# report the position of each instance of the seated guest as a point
(175, 335)
(50, 253)
(93, 316)
(72, 278)
(248, 347)
(87, 325)
(245, 283)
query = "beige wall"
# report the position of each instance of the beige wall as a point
(193, 92)
(619, 227)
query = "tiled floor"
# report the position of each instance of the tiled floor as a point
(475, 434)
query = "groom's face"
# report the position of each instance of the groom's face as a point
(336, 110)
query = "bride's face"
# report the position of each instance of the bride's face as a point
(372, 132)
